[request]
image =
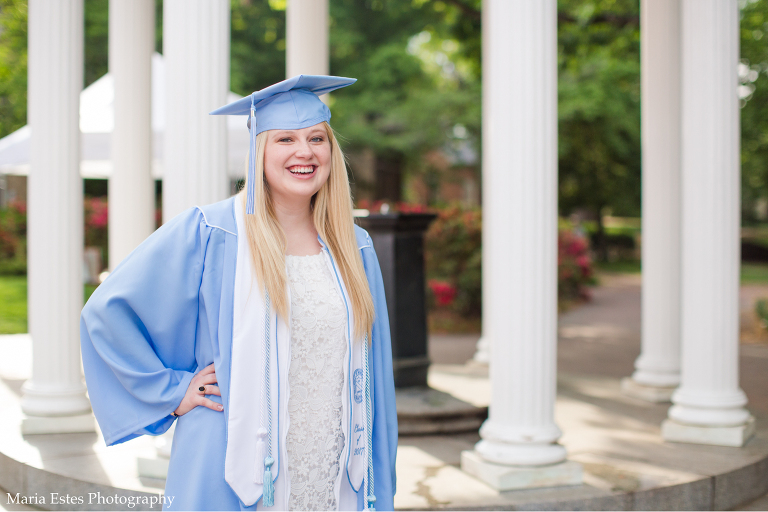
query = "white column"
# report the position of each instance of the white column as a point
(306, 42)
(709, 405)
(657, 370)
(483, 349)
(196, 54)
(54, 398)
(519, 440)
(131, 187)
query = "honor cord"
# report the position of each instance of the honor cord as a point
(269, 486)
(370, 498)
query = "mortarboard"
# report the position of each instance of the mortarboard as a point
(288, 105)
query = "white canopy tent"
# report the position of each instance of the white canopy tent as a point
(97, 121)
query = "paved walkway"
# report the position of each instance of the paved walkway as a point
(602, 338)
(617, 440)
(598, 343)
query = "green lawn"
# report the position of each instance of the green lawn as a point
(624, 266)
(13, 303)
(753, 273)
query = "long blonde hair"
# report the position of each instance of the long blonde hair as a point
(332, 216)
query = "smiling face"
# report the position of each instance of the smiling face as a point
(297, 163)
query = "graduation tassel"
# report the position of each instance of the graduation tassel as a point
(269, 485)
(251, 178)
(259, 476)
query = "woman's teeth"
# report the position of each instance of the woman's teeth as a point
(302, 170)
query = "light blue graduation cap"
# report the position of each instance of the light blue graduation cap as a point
(288, 105)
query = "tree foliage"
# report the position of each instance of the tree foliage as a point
(419, 68)
(415, 83)
(13, 66)
(599, 106)
(257, 46)
(753, 74)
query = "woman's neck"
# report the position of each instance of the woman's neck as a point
(300, 234)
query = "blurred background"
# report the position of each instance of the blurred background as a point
(411, 128)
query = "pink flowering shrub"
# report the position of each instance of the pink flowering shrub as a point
(13, 232)
(97, 226)
(452, 254)
(574, 265)
(443, 291)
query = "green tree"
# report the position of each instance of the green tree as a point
(257, 45)
(13, 56)
(599, 108)
(96, 28)
(754, 112)
(598, 100)
(13, 65)
(415, 83)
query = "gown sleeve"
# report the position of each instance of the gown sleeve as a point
(137, 331)
(384, 434)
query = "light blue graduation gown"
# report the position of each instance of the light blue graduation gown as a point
(165, 313)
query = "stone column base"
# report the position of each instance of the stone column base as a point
(736, 436)
(507, 478)
(655, 394)
(58, 424)
(483, 353)
(153, 468)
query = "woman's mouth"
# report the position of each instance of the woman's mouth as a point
(303, 171)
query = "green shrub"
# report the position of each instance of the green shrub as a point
(453, 256)
(761, 309)
(13, 233)
(13, 239)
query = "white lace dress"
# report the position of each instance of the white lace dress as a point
(315, 379)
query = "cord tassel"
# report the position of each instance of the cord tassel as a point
(260, 454)
(269, 485)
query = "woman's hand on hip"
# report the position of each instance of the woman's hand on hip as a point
(201, 385)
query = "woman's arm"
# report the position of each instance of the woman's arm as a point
(137, 331)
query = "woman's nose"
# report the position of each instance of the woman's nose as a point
(304, 150)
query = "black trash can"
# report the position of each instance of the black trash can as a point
(398, 239)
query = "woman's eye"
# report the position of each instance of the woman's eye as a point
(317, 139)
(284, 139)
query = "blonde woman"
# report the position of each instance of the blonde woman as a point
(260, 324)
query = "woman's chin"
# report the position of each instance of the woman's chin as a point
(298, 193)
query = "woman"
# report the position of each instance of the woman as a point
(260, 323)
